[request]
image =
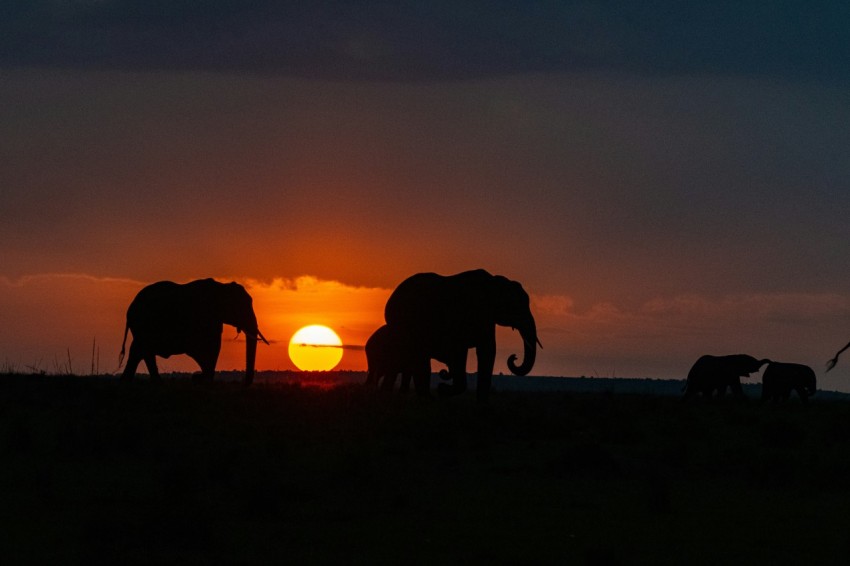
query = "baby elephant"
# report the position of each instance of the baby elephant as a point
(780, 378)
(387, 355)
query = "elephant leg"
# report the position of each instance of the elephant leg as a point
(150, 361)
(208, 366)
(133, 360)
(389, 381)
(405, 381)
(371, 379)
(208, 370)
(421, 372)
(457, 373)
(737, 389)
(376, 378)
(207, 356)
(486, 355)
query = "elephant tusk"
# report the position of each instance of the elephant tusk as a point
(263, 338)
(524, 341)
(259, 336)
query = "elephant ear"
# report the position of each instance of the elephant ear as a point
(514, 301)
(238, 305)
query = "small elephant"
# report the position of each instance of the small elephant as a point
(167, 318)
(716, 373)
(442, 317)
(387, 356)
(780, 378)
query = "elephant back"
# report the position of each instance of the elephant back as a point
(428, 294)
(173, 308)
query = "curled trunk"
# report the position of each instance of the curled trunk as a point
(529, 338)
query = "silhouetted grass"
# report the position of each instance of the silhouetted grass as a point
(100, 470)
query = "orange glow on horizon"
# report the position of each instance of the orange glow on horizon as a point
(283, 306)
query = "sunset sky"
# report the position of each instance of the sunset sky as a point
(666, 180)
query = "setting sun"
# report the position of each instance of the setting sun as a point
(315, 348)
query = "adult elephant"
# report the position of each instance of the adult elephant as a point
(831, 363)
(167, 318)
(442, 317)
(716, 373)
(780, 378)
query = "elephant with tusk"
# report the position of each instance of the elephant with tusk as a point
(167, 318)
(441, 317)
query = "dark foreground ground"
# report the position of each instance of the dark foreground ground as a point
(97, 470)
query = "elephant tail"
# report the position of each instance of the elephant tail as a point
(831, 363)
(121, 355)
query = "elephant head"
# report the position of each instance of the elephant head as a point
(808, 382)
(511, 307)
(747, 364)
(236, 309)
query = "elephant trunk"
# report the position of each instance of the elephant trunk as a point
(250, 356)
(530, 341)
(252, 334)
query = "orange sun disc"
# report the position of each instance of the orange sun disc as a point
(315, 348)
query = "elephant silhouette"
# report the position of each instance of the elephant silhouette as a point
(831, 363)
(716, 373)
(780, 378)
(387, 356)
(441, 317)
(167, 318)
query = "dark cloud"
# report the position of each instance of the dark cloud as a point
(428, 40)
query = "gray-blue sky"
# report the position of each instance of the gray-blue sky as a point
(430, 40)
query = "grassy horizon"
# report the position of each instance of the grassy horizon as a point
(181, 473)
